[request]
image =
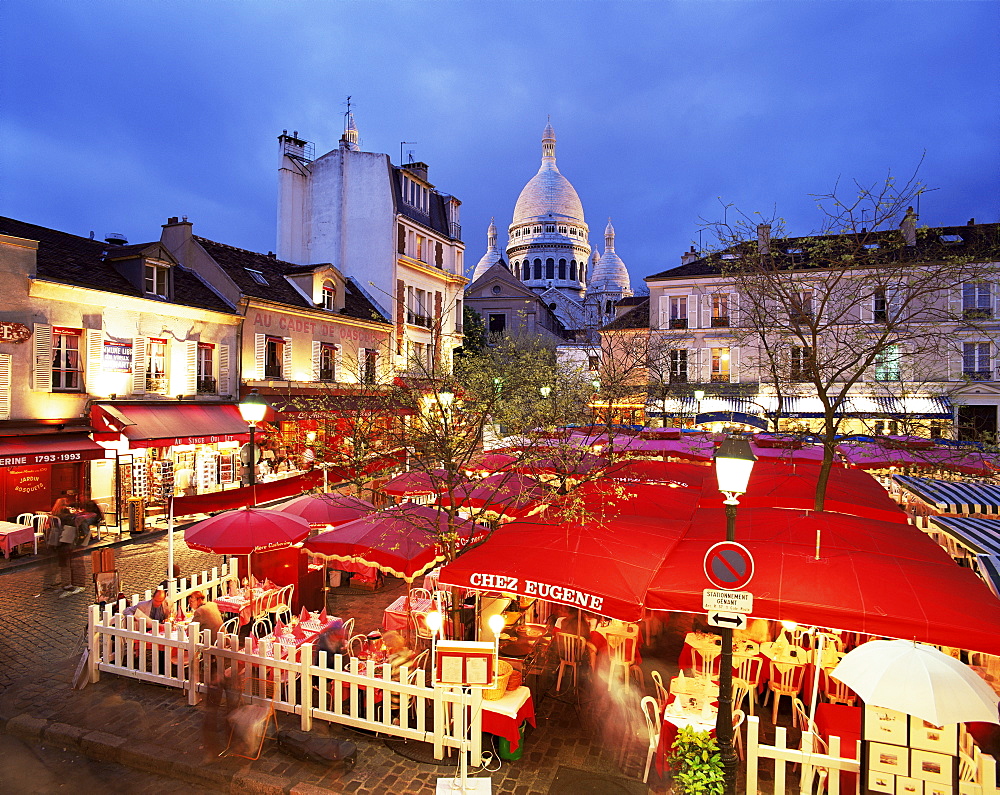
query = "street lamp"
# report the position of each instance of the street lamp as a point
(252, 409)
(545, 390)
(734, 462)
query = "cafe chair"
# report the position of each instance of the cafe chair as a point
(261, 628)
(742, 689)
(738, 717)
(281, 604)
(749, 670)
(420, 661)
(230, 626)
(806, 724)
(837, 692)
(572, 650)
(356, 645)
(651, 712)
(420, 593)
(349, 627)
(785, 680)
(621, 652)
(966, 767)
(423, 632)
(662, 696)
(705, 661)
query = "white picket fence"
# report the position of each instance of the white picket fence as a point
(831, 764)
(184, 657)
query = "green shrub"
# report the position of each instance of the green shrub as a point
(696, 763)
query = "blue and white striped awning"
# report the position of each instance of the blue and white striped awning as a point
(954, 496)
(981, 536)
(989, 568)
(930, 407)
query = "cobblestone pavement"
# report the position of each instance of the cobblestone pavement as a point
(41, 641)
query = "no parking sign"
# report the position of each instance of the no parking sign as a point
(729, 565)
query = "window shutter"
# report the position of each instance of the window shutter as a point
(259, 354)
(338, 362)
(361, 365)
(41, 341)
(994, 299)
(955, 362)
(893, 304)
(317, 352)
(692, 311)
(190, 367)
(95, 346)
(138, 365)
(286, 360)
(664, 311)
(5, 373)
(705, 363)
(224, 370)
(734, 365)
(867, 309)
(955, 302)
(734, 309)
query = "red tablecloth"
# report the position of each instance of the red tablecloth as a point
(240, 605)
(668, 733)
(11, 535)
(839, 720)
(310, 630)
(505, 716)
(395, 614)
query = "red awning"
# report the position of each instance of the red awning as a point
(62, 448)
(158, 425)
(242, 497)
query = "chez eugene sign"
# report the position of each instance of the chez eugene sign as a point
(542, 590)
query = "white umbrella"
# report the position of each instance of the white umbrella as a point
(918, 680)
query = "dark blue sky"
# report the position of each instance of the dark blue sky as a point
(117, 115)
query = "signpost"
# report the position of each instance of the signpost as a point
(730, 620)
(729, 565)
(727, 601)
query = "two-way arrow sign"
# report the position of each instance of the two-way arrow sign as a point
(730, 620)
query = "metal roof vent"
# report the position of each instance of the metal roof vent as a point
(115, 239)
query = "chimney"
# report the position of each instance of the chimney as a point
(689, 256)
(418, 169)
(115, 239)
(972, 222)
(763, 238)
(909, 227)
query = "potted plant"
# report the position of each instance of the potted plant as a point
(696, 764)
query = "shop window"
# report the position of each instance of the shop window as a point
(329, 297)
(206, 369)
(327, 362)
(156, 366)
(66, 371)
(274, 354)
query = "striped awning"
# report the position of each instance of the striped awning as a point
(954, 496)
(855, 405)
(989, 568)
(981, 536)
(710, 404)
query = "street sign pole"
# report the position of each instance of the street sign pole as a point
(724, 719)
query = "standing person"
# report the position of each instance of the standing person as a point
(70, 574)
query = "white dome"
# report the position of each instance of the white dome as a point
(609, 273)
(492, 255)
(548, 193)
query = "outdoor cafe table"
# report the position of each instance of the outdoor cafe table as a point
(240, 605)
(309, 631)
(395, 614)
(504, 716)
(840, 720)
(693, 711)
(12, 535)
(711, 644)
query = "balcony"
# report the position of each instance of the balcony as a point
(418, 320)
(720, 378)
(720, 322)
(206, 386)
(678, 322)
(977, 314)
(272, 372)
(678, 378)
(978, 375)
(157, 384)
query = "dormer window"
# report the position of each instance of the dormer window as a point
(155, 279)
(329, 297)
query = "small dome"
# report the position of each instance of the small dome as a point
(548, 193)
(492, 255)
(610, 273)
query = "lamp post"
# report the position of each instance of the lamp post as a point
(252, 409)
(699, 395)
(734, 462)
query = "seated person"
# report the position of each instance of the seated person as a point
(398, 655)
(88, 517)
(157, 608)
(206, 614)
(64, 505)
(331, 640)
(576, 623)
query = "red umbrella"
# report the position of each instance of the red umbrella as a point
(508, 493)
(573, 462)
(417, 484)
(245, 531)
(687, 475)
(490, 462)
(401, 540)
(604, 568)
(327, 509)
(606, 500)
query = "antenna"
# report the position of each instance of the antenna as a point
(401, 145)
(919, 192)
